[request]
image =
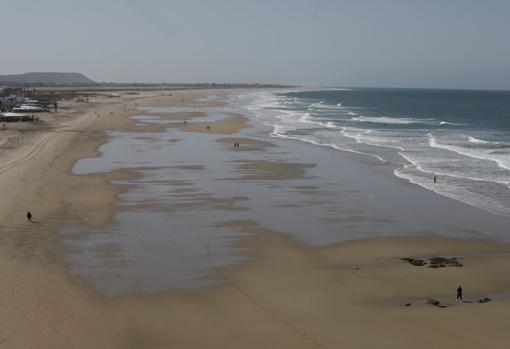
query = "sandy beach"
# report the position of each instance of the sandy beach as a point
(283, 292)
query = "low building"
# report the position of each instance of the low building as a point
(15, 117)
(28, 108)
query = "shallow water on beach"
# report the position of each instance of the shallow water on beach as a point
(166, 232)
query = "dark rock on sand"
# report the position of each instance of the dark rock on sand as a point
(485, 300)
(413, 261)
(433, 302)
(436, 303)
(434, 262)
(445, 262)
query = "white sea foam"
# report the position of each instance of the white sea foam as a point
(325, 89)
(476, 140)
(387, 120)
(316, 142)
(449, 123)
(481, 141)
(363, 136)
(324, 105)
(424, 166)
(307, 117)
(448, 188)
(502, 160)
(332, 126)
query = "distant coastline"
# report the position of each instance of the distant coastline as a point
(60, 79)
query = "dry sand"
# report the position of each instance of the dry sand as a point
(287, 296)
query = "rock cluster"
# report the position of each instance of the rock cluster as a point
(434, 262)
(436, 303)
(485, 300)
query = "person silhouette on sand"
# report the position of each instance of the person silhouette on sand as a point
(459, 293)
(29, 216)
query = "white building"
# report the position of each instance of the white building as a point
(27, 108)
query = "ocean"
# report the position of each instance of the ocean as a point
(461, 137)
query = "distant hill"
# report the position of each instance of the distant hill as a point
(47, 78)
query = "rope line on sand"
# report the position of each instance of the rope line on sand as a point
(245, 293)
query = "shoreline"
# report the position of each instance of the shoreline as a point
(270, 301)
(419, 158)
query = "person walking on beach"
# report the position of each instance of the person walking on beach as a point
(29, 216)
(459, 293)
(435, 179)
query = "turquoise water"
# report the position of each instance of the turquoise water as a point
(460, 137)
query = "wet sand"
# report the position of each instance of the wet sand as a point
(287, 294)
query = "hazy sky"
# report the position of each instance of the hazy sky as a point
(413, 43)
